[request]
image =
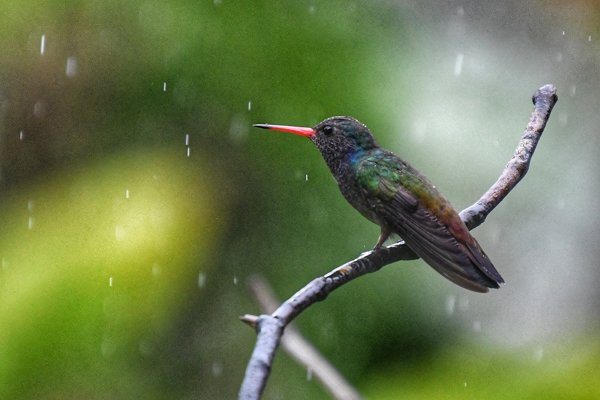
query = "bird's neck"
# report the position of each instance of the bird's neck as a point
(342, 165)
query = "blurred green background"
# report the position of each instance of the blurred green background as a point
(136, 200)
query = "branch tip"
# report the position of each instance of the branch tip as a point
(249, 319)
(545, 92)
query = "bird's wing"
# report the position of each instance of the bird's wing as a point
(445, 245)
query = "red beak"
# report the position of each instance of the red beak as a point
(298, 130)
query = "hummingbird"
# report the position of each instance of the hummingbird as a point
(392, 194)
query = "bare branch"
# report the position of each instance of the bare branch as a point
(543, 101)
(303, 351)
(270, 327)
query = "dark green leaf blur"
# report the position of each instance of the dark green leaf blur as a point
(136, 200)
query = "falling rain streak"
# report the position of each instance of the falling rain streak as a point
(43, 44)
(71, 67)
(201, 280)
(119, 233)
(458, 64)
(39, 109)
(164, 86)
(217, 368)
(187, 144)
(30, 220)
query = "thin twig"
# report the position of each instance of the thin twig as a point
(302, 350)
(543, 100)
(270, 327)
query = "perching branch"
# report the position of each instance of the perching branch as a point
(301, 350)
(270, 327)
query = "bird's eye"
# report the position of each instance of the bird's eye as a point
(328, 129)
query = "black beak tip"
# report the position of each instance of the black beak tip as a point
(262, 126)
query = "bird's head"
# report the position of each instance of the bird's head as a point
(335, 137)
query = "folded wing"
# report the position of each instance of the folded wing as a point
(411, 207)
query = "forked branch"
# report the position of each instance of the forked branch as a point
(270, 327)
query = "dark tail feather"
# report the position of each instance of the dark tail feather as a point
(466, 275)
(481, 260)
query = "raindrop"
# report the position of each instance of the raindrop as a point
(30, 205)
(189, 149)
(201, 280)
(126, 193)
(30, 223)
(238, 129)
(573, 90)
(458, 64)
(156, 270)
(563, 33)
(465, 384)
(419, 131)
(235, 280)
(590, 38)
(312, 9)
(119, 233)
(477, 326)
(187, 139)
(43, 44)
(71, 67)
(39, 109)
(249, 105)
(309, 374)
(450, 304)
(217, 368)
(306, 177)
(217, 2)
(164, 86)
(21, 135)
(110, 281)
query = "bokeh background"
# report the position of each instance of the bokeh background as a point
(136, 200)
